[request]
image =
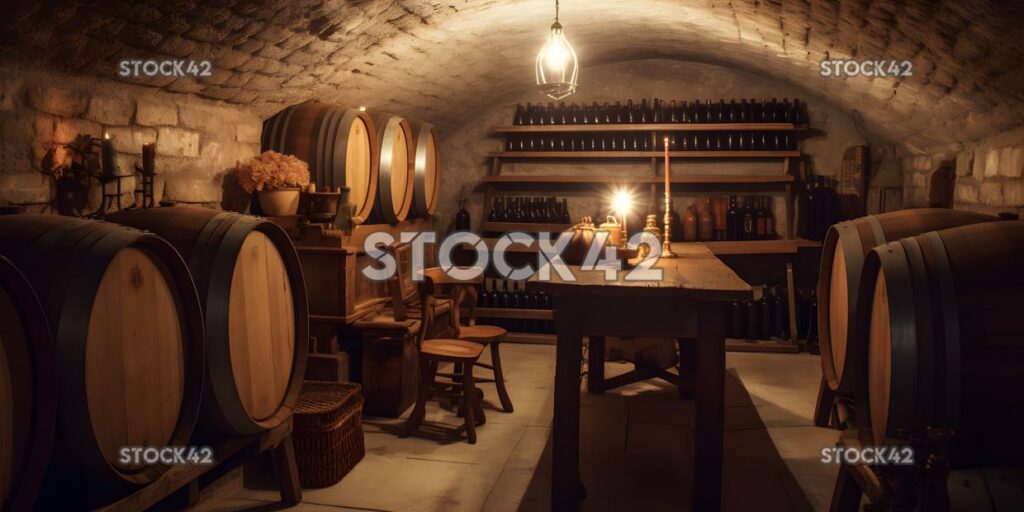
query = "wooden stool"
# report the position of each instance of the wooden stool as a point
(490, 335)
(465, 353)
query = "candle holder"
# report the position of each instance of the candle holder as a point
(666, 240)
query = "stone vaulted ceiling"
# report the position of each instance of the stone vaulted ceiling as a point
(446, 60)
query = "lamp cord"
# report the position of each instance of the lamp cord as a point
(556, 11)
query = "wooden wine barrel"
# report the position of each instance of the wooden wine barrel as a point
(426, 170)
(943, 340)
(842, 257)
(340, 146)
(395, 183)
(127, 338)
(256, 314)
(28, 391)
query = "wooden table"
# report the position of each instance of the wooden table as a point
(689, 302)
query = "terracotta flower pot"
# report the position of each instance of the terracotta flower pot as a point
(279, 202)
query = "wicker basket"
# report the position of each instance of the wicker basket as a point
(328, 432)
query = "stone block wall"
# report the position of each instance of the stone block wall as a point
(197, 140)
(988, 174)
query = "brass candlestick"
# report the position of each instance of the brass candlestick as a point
(666, 241)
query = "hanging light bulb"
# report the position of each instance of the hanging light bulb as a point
(556, 64)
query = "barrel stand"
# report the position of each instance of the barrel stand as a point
(833, 410)
(181, 483)
(922, 486)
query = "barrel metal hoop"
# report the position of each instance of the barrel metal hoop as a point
(96, 252)
(903, 335)
(876, 229)
(29, 475)
(947, 295)
(218, 348)
(385, 204)
(926, 362)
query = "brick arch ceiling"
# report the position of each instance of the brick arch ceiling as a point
(446, 60)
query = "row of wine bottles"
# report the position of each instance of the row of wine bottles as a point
(816, 208)
(659, 111)
(761, 319)
(543, 210)
(631, 141)
(503, 293)
(722, 218)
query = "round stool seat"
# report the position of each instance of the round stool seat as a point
(482, 333)
(455, 350)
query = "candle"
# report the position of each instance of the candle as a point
(667, 173)
(107, 155)
(149, 159)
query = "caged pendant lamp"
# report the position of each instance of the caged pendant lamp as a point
(557, 68)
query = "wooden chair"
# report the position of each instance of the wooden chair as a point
(432, 352)
(490, 335)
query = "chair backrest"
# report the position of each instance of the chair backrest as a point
(401, 287)
(425, 291)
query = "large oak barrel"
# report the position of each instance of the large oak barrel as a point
(256, 315)
(395, 182)
(28, 391)
(340, 146)
(842, 258)
(426, 169)
(127, 338)
(941, 336)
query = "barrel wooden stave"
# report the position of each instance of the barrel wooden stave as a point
(426, 170)
(99, 284)
(28, 394)
(945, 340)
(340, 146)
(845, 247)
(396, 169)
(256, 314)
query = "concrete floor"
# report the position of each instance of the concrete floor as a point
(637, 445)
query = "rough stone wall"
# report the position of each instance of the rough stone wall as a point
(197, 140)
(464, 150)
(988, 174)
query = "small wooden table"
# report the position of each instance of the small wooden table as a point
(689, 302)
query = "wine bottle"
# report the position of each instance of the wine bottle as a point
(765, 307)
(706, 220)
(749, 221)
(781, 310)
(494, 214)
(517, 119)
(813, 205)
(812, 324)
(462, 217)
(720, 114)
(644, 113)
(733, 221)
(732, 116)
(738, 323)
(690, 224)
(762, 219)
(743, 115)
(753, 320)
(801, 211)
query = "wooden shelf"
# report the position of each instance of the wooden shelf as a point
(740, 247)
(525, 227)
(684, 179)
(625, 155)
(661, 127)
(734, 247)
(777, 346)
(520, 313)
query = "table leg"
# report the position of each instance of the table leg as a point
(595, 365)
(565, 438)
(707, 484)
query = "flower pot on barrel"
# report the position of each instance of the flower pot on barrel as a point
(277, 181)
